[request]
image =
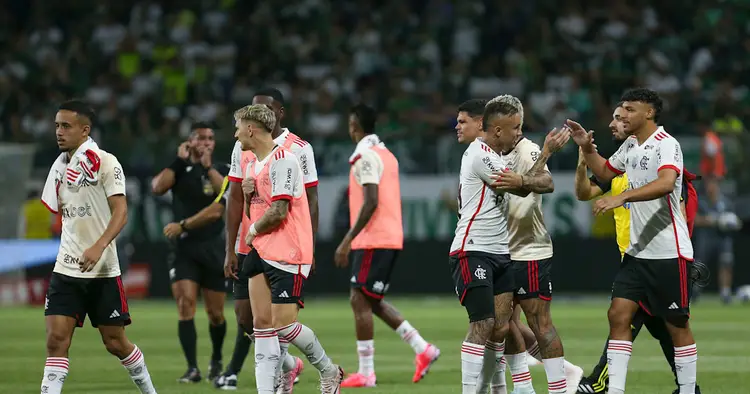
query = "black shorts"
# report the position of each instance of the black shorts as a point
(661, 287)
(247, 269)
(533, 279)
(372, 269)
(491, 272)
(286, 287)
(102, 299)
(199, 262)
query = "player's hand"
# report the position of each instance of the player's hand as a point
(507, 180)
(183, 151)
(91, 256)
(230, 265)
(341, 258)
(582, 138)
(249, 239)
(556, 139)
(608, 203)
(248, 186)
(172, 230)
(206, 158)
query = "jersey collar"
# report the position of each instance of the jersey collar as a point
(282, 137)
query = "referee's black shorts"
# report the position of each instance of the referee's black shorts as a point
(199, 261)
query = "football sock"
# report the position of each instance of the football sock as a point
(555, 369)
(218, 333)
(188, 338)
(472, 357)
(289, 362)
(411, 336)
(242, 344)
(366, 352)
(534, 351)
(493, 352)
(283, 353)
(55, 372)
(266, 359)
(499, 386)
(618, 354)
(519, 370)
(136, 366)
(305, 340)
(686, 359)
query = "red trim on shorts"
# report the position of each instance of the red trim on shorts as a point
(48, 208)
(123, 300)
(311, 184)
(648, 312)
(234, 179)
(545, 298)
(297, 288)
(371, 294)
(533, 275)
(463, 264)
(684, 299)
(364, 268)
(669, 167)
(285, 197)
(613, 169)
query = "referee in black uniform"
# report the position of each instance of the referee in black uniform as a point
(197, 260)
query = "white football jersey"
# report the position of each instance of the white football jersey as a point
(657, 228)
(482, 212)
(528, 236)
(85, 215)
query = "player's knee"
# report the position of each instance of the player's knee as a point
(186, 307)
(116, 345)
(480, 330)
(262, 322)
(359, 301)
(215, 315)
(500, 331)
(619, 318)
(57, 344)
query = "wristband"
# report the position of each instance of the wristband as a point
(182, 225)
(252, 230)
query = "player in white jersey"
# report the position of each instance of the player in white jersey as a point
(480, 259)
(303, 151)
(655, 270)
(87, 185)
(531, 248)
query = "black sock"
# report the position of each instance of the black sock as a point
(241, 348)
(217, 332)
(188, 339)
(600, 366)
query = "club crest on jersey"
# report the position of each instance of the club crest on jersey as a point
(480, 273)
(644, 162)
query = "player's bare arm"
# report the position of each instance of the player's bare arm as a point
(235, 201)
(271, 219)
(585, 189)
(312, 201)
(365, 214)
(164, 180)
(206, 215)
(118, 206)
(662, 186)
(585, 140)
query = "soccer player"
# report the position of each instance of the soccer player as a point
(657, 263)
(590, 188)
(530, 244)
(196, 263)
(87, 185)
(375, 239)
(292, 366)
(281, 255)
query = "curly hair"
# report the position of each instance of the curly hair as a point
(647, 96)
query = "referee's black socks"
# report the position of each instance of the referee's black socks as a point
(188, 338)
(241, 348)
(217, 332)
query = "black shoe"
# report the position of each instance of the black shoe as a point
(697, 390)
(193, 375)
(214, 370)
(590, 385)
(226, 382)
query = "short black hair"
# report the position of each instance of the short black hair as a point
(274, 93)
(81, 108)
(473, 107)
(365, 116)
(201, 125)
(647, 96)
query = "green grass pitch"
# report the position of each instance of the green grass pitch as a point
(722, 334)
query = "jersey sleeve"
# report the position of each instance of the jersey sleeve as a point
(284, 173)
(368, 169)
(113, 179)
(605, 186)
(306, 157)
(222, 168)
(669, 155)
(616, 162)
(485, 165)
(235, 166)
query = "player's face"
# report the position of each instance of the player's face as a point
(277, 109)
(468, 128)
(504, 130)
(244, 134)
(203, 140)
(635, 115)
(70, 131)
(353, 127)
(618, 133)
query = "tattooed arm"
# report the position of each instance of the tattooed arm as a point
(273, 217)
(538, 179)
